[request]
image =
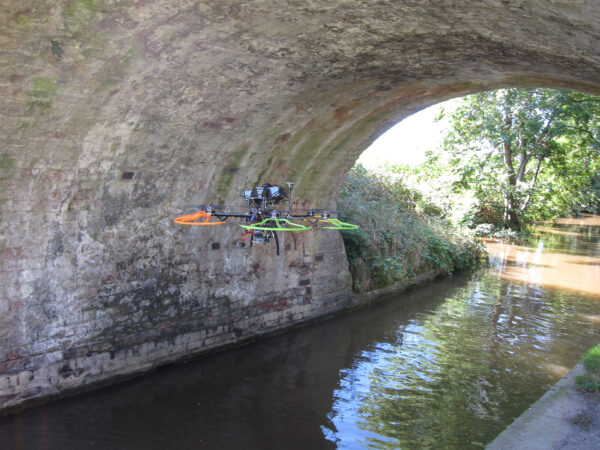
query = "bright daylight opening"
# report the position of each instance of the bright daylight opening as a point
(407, 142)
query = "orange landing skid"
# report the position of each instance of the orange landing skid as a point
(192, 219)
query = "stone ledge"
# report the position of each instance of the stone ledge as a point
(549, 421)
(396, 288)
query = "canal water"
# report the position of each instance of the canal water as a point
(448, 365)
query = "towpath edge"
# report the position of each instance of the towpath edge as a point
(564, 418)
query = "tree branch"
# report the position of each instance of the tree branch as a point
(584, 131)
(532, 184)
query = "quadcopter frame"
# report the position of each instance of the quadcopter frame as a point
(263, 220)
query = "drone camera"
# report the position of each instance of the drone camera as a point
(271, 193)
(262, 220)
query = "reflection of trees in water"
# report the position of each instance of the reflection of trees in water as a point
(560, 237)
(457, 376)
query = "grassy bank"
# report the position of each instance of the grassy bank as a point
(401, 233)
(591, 380)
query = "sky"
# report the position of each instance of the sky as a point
(407, 142)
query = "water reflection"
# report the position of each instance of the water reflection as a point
(458, 374)
(553, 257)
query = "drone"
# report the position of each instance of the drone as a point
(263, 220)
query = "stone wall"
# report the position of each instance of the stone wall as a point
(117, 115)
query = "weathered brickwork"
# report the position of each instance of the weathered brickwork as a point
(117, 114)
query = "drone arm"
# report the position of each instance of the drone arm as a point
(194, 219)
(225, 216)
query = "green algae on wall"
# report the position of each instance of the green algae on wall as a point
(81, 10)
(312, 149)
(42, 94)
(297, 146)
(115, 70)
(229, 171)
(78, 15)
(22, 19)
(6, 162)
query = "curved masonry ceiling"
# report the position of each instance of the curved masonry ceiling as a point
(118, 114)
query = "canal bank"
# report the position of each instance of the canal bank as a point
(565, 417)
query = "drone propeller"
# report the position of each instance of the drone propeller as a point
(276, 224)
(199, 218)
(339, 225)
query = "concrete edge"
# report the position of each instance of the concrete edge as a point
(548, 421)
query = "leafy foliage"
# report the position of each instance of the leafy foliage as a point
(591, 359)
(587, 384)
(401, 234)
(524, 154)
(591, 380)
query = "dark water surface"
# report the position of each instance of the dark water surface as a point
(449, 365)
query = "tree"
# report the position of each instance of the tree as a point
(526, 154)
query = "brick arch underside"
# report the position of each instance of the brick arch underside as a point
(117, 115)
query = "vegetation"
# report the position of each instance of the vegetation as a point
(522, 155)
(402, 234)
(512, 156)
(591, 380)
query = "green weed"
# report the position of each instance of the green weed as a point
(402, 234)
(591, 359)
(590, 381)
(587, 384)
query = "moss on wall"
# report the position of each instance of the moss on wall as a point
(22, 20)
(7, 162)
(228, 174)
(81, 10)
(41, 95)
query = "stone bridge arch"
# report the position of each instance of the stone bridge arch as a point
(117, 114)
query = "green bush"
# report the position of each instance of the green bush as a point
(401, 235)
(591, 380)
(587, 384)
(591, 359)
